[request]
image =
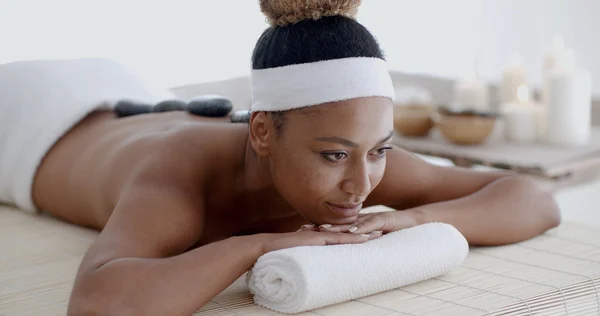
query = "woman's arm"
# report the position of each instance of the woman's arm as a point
(489, 208)
(135, 266)
(138, 264)
(178, 285)
(508, 210)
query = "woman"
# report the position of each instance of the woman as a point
(187, 204)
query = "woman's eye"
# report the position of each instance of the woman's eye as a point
(334, 157)
(381, 152)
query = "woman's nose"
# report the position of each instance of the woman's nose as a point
(358, 181)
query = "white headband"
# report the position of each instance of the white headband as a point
(295, 86)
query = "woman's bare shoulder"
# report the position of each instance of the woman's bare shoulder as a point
(202, 147)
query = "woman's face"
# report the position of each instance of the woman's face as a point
(328, 158)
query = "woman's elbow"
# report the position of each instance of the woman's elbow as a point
(551, 215)
(92, 297)
(84, 304)
(547, 211)
(90, 304)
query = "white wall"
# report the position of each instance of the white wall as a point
(172, 42)
(528, 26)
(443, 38)
(177, 42)
(426, 36)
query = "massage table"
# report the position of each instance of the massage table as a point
(557, 273)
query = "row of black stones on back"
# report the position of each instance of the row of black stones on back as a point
(206, 105)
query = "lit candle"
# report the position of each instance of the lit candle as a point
(513, 77)
(522, 118)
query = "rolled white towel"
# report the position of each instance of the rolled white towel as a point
(299, 279)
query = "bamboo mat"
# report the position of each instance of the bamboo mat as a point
(39, 257)
(557, 273)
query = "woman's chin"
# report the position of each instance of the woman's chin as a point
(342, 221)
(332, 219)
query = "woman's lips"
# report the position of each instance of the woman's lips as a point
(345, 210)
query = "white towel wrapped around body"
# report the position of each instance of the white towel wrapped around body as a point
(299, 279)
(41, 100)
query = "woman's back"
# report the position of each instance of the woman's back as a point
(83, 175)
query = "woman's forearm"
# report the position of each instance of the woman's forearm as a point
(172, 286)
(507, 210)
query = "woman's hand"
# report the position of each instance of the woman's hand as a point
(274, 242)
(374, 224)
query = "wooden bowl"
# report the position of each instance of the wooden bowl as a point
(413, 120)
(465, 128)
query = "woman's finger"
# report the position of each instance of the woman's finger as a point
(376, 234)
(361, 215)
(371, 224)
(364, 218)
(346, 228)
(335, 228)
(351, 228)
(337, 238)
(308, 228)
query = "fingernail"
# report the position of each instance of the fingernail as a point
(325, 226)
(308, 225)
(365, 235)
(353, 229)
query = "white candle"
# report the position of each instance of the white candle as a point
(471, 93)
(568, 107)
(559, 57)
(513, 77)
(522, 117)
